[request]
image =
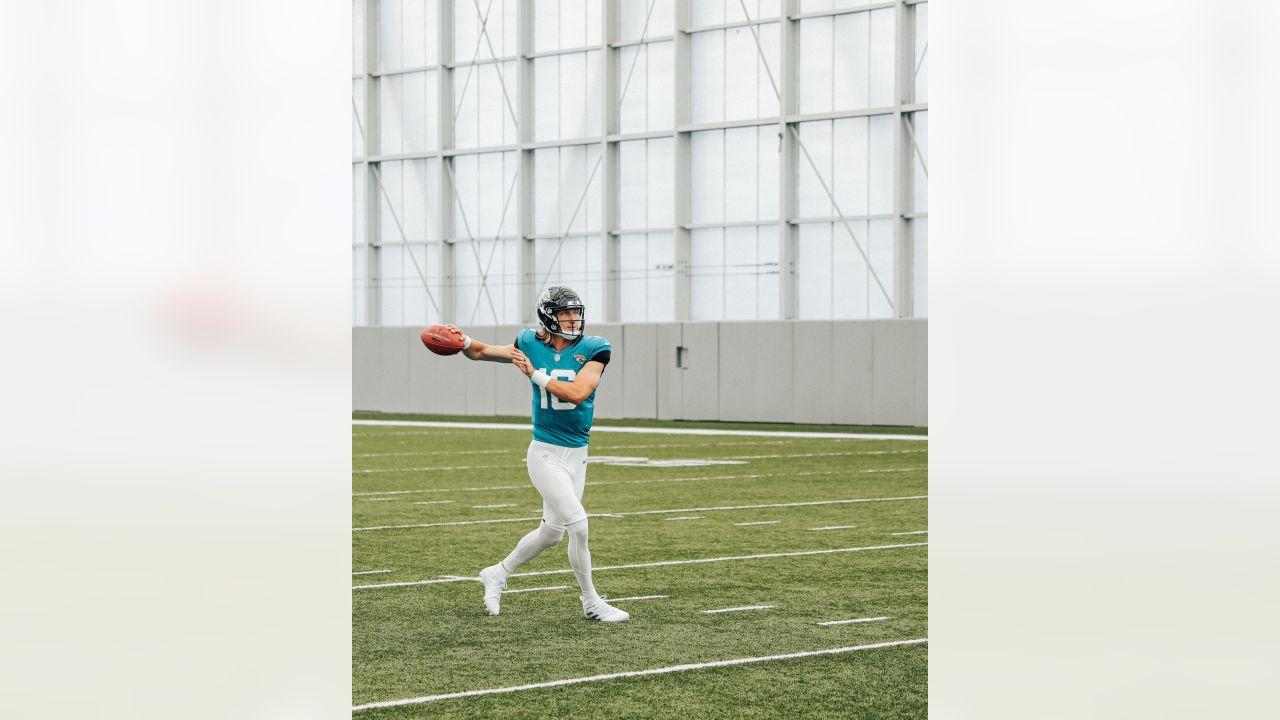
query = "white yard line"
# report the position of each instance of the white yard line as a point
(376, 499)
(437, 452)
(834, 527)
(663, 563)
(854, 620)
(487, 507)
(644, 431)
(432, 502)
(634, 673)
(432, 468)
(602, 457)
(551, 587)
(759, 522)
(773, 505)
(370, 572)
(445, 524)
(914, 532)
(736, 609)
(654, 512)
(636, 597)
(822, 454)
(643, 482)
(691, 517)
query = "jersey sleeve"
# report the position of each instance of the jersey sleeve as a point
(601, 351)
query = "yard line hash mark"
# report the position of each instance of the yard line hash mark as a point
(914, 532)
(486, 507)
(644, 482)
(636, 673)
(691, 517)
(834, 527)
(653, 512)
(551, 587)
(370, 572)
(854, 620)
(760, 522)
(662, 563)
(637, 597)
(737, 609)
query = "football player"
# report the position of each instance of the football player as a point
(564, 366)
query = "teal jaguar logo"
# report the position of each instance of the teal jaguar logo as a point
(580, 358)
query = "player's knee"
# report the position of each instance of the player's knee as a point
(578, 531)
(551, 534)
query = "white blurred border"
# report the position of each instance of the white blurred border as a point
(1105, 270)
(175, 290)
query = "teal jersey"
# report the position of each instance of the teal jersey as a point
(554, 420)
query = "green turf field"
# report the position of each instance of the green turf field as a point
(420, 640)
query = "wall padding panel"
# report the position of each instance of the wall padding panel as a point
(921, 418)
(812, 362)
(894, 371)
(755, 373)
(852, 377)
(639, 374)
(394, 380)
(436, 383)
(670, 377)
(366, 368)
(700, 394)
(854, 372)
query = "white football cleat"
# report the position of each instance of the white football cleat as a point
(494, 583)
(600, 610)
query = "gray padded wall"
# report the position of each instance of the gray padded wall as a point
(859, 372)
(700, 392)
(639, 372)
(755, 374)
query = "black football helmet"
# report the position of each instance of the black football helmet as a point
(553, 300)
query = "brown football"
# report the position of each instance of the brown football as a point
(441, 340)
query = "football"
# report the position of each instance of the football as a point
(441, 340)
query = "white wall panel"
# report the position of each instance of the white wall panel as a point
(632, 16)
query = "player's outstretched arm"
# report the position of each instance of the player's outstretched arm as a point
(484, 351)
(580, 389)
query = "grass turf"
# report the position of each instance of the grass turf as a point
(433, 639)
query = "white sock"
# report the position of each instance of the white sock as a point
(539, 539)
(580, 559)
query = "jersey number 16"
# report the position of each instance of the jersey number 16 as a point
(551, 402)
